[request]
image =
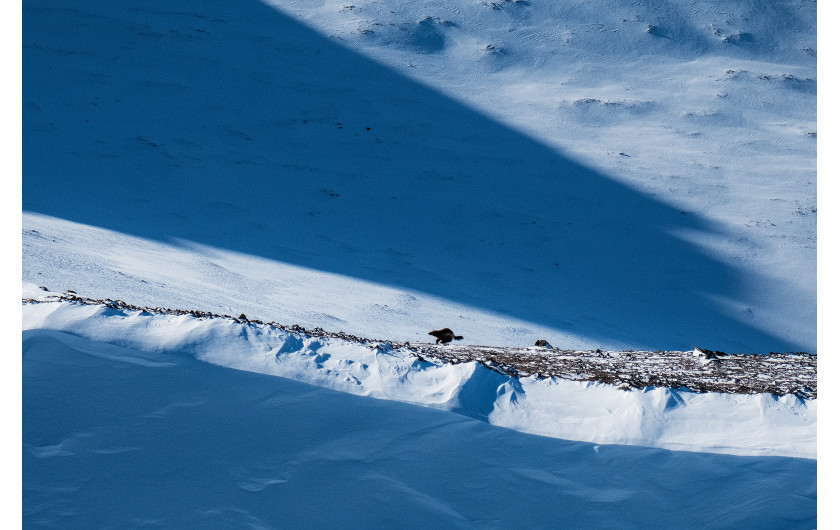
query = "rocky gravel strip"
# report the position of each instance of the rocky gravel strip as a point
(699, 371)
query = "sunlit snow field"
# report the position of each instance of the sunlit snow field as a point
(592, 184)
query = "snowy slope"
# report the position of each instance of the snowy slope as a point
(594, 174)
(143, 434)
(599, 174)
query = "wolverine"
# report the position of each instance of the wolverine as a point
(444, 335)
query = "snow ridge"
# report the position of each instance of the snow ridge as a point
(699, 371)
(740, 424)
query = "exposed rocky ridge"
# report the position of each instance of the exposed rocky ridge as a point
(699, 371)
(775, 373)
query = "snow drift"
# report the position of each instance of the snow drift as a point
(115, 436)
(657, 417)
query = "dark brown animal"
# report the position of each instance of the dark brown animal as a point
(444, 335)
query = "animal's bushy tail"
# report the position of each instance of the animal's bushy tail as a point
(457, 337)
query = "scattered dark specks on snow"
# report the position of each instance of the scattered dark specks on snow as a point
(147, 141)
(497, 5)
(738, 38)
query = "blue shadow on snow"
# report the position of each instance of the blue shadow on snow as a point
(232, 125)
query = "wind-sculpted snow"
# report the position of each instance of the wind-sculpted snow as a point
(116, 436)
(700, 371)
(588, 396)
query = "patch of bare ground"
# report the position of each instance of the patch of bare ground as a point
(698, 371)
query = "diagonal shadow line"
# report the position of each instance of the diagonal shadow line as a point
(235, 126)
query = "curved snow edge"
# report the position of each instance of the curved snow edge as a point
(739, 424)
